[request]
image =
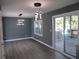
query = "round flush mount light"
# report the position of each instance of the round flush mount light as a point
(20, 14)
(37, 4)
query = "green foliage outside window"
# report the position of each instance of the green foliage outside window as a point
(74, 22)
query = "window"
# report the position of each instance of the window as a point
(20, 22)
(38, 29)
(74, 22)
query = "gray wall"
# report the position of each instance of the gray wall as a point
(12, 31)
(47, 23)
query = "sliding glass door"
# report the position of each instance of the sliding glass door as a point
(66, 34)
(71, 34)
(59, 37)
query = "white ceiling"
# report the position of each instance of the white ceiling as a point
(11, 8)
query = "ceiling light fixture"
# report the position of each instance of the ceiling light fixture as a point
(20, 14)
(37, 4)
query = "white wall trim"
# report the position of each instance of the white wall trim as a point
(9, 40)
(51, 47)
(67, 14)
(41, 42)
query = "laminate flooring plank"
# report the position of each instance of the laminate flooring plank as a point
(30, 49)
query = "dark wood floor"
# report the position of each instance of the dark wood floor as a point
(29, 49)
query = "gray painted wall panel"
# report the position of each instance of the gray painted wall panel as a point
(12, 31)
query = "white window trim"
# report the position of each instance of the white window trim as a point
(42, 29)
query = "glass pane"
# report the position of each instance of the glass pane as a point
(71, 32)
(38, 29)
(74, 22)
(59, 27)
(67, 26)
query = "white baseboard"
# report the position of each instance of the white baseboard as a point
(51, 47)
(17, 39)
(41, 42)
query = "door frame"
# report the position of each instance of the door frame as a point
(53, 26)
(1, 25)
(53, 29)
